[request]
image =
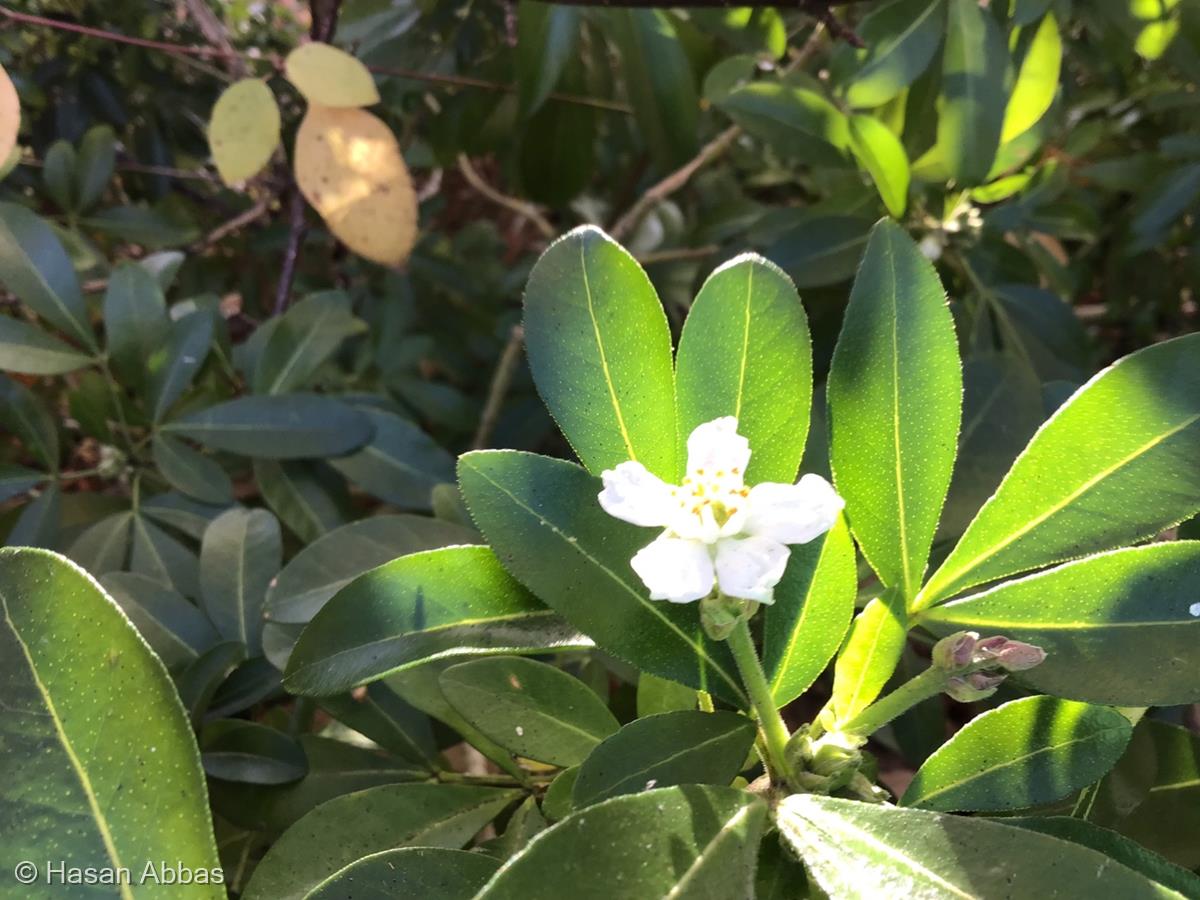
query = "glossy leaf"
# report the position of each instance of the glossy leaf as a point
(401, 464)
(658, 75)
(798, 123)
(850, 847)
(821, 249)
(39, 521)
(252, 753)
(870, 655)
(1021, 754)
(895, 398)
(191, 472)
(424, 606)
(1168, 819)
(177, 631)
(308, 496)
(103, 547)
(59, 633)
(97, 160)
(328, 76)
(23, 414)
(163, 557)
(135, 320)
(292, 426)
(305, 337)
(348, 828)
(426, 872)
(532, 709)
(901, 39)
(1037, 81)
(1140, 422)
(1120, 628)
(813, 606)
(882, 155)
(26, 349)
(684, 747)
(35, 267)
(745, 352)
(328, 564)
(547, 38)
(971, 112)
(543, 520)
(241, 552)
(173, 366)
(386, 718)
(17, 480)
(244, 129)
(600, 353)
(677, 842)
(658, 695)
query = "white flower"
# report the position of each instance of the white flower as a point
(716, 530)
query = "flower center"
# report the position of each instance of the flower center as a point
(709, 497)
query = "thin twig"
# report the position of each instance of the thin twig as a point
(521, 207)
(140, 169)
(501, 379)
(165, 47)
(297, 228)
(710, 151)
(214, 32)
(255, 212)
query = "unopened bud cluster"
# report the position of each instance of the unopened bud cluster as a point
(978, 667)
(832, 764)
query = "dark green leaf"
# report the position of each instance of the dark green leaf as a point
(237, 750)
(1168, 820)
(796, 122)
(104, 546)
(901, 38)
(26, 349)
(38, 524)
(94, 169)
(547, 36)
(309, 497)
(22, 413)
(241, 552)
(400, 465)
(306, 336)
(971, 113)
(191, 472)
(17, 480)
(162, 557)
(821, 250)
(177, 631)
(172, 367)
(425, 872)
(135, 320)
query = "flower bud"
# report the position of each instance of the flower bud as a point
(1012, 656)
(955, 651)
(976, 686)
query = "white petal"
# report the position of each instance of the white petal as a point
(637, 496)
(674, 569)
(717, 447)
(750, 567)
(793, 513)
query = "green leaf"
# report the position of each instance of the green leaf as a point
(796, 122)
(901, 39)
(547, 38)
(77, 677)
(1121, 849)
(309, 497)
(971, 112)
(173, 366)
(600, 352)
(1168, 820)
(293, 426)
(104, 546)
(251, 753)
(159, 555)
(94, 169)
(530, 708)
(1140, 422)
(23, 414)
(542, 517)
(556, 804)
(332, 561)
(1120, 627)
(693, 841)
(850, 847)
(35, 267)
(176, 630)
(253, 681)
(135, 320)
(425, 872)
(895, 401)
(400, 465)
(810, 616)
(241, 552)
(142, 225)
(17, 480)
(870, 655)
(683, 747)
(424, 606)
(745, 352)
(28, 350)
(658, 695)
(386, 718)
(1037, 81)
(1024, 753)
(307, 335)
(822, 249)
(191, 472)
(58, 174)
(659, 79)
(882, 155)
(348, 828)
(198, 683)
(39, 521)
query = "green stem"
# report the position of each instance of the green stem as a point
(487, 780)
(774, 731)
(928, 684)
(115, 392)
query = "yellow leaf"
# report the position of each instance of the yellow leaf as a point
(10, 115)
(244, 130)
(329, 76)
(349, 167)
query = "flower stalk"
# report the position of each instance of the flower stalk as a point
(770, 722)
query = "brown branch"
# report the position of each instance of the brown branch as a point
(214, 32)
(253, 214)
(710, 151)
(297, 228)
(498, 389)
(100, 33)
(521, 207)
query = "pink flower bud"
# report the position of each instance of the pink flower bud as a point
(955, 651)
(1012, 656)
